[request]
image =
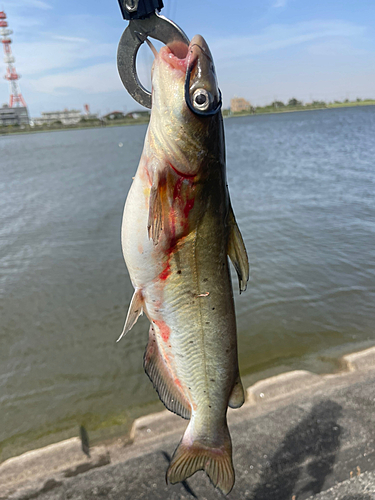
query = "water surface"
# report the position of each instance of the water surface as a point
(302, 186)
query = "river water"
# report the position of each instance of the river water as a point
(302, 186)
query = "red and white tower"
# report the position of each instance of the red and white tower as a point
(16, 99)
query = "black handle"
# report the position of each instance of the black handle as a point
(139, 9)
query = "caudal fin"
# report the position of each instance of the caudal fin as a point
(215, 461)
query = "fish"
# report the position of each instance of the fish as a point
(178, 231)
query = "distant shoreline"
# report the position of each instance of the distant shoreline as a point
(34, 130)
(289, 109)
(226, 114)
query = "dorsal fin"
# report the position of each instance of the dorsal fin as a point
(159, 374)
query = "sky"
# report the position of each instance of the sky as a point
(264, 50)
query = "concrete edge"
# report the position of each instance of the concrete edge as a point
(155, 424)
(59, 447)
(281, 385)
(360, 361)
(66, 458)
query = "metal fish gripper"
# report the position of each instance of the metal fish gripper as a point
(144, 21)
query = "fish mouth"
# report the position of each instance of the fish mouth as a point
(181, 56)
(175, 55)
(194, 63)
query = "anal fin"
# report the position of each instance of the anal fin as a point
(161, 378)
(237, 396)
(237, 251)
(135, 310)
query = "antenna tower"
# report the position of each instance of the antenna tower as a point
(16, 99)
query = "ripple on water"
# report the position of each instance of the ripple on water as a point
(302, 188)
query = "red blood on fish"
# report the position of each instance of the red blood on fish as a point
(177, 189)
(189, 205)
(166, 272)
(164, 330)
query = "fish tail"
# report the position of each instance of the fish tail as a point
(192, 455)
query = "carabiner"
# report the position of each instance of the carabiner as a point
(154, 26)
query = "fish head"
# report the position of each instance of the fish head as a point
(202, 94)
(185, 116)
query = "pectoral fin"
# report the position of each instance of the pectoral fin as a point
(135, 310)
(155, 213)
(237, 251)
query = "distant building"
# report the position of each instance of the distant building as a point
(138, 114)
(238, 104)
(66, 117)
(13, 116)
(114, 115)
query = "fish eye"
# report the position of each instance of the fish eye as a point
(202, 99)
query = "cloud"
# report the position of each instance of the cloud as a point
(79, 58)
(38, 4)
(73, 39)
(62, 76)
(95, 79)
(335, 48)
(60, 53)
(279, 3)
(278, 36)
